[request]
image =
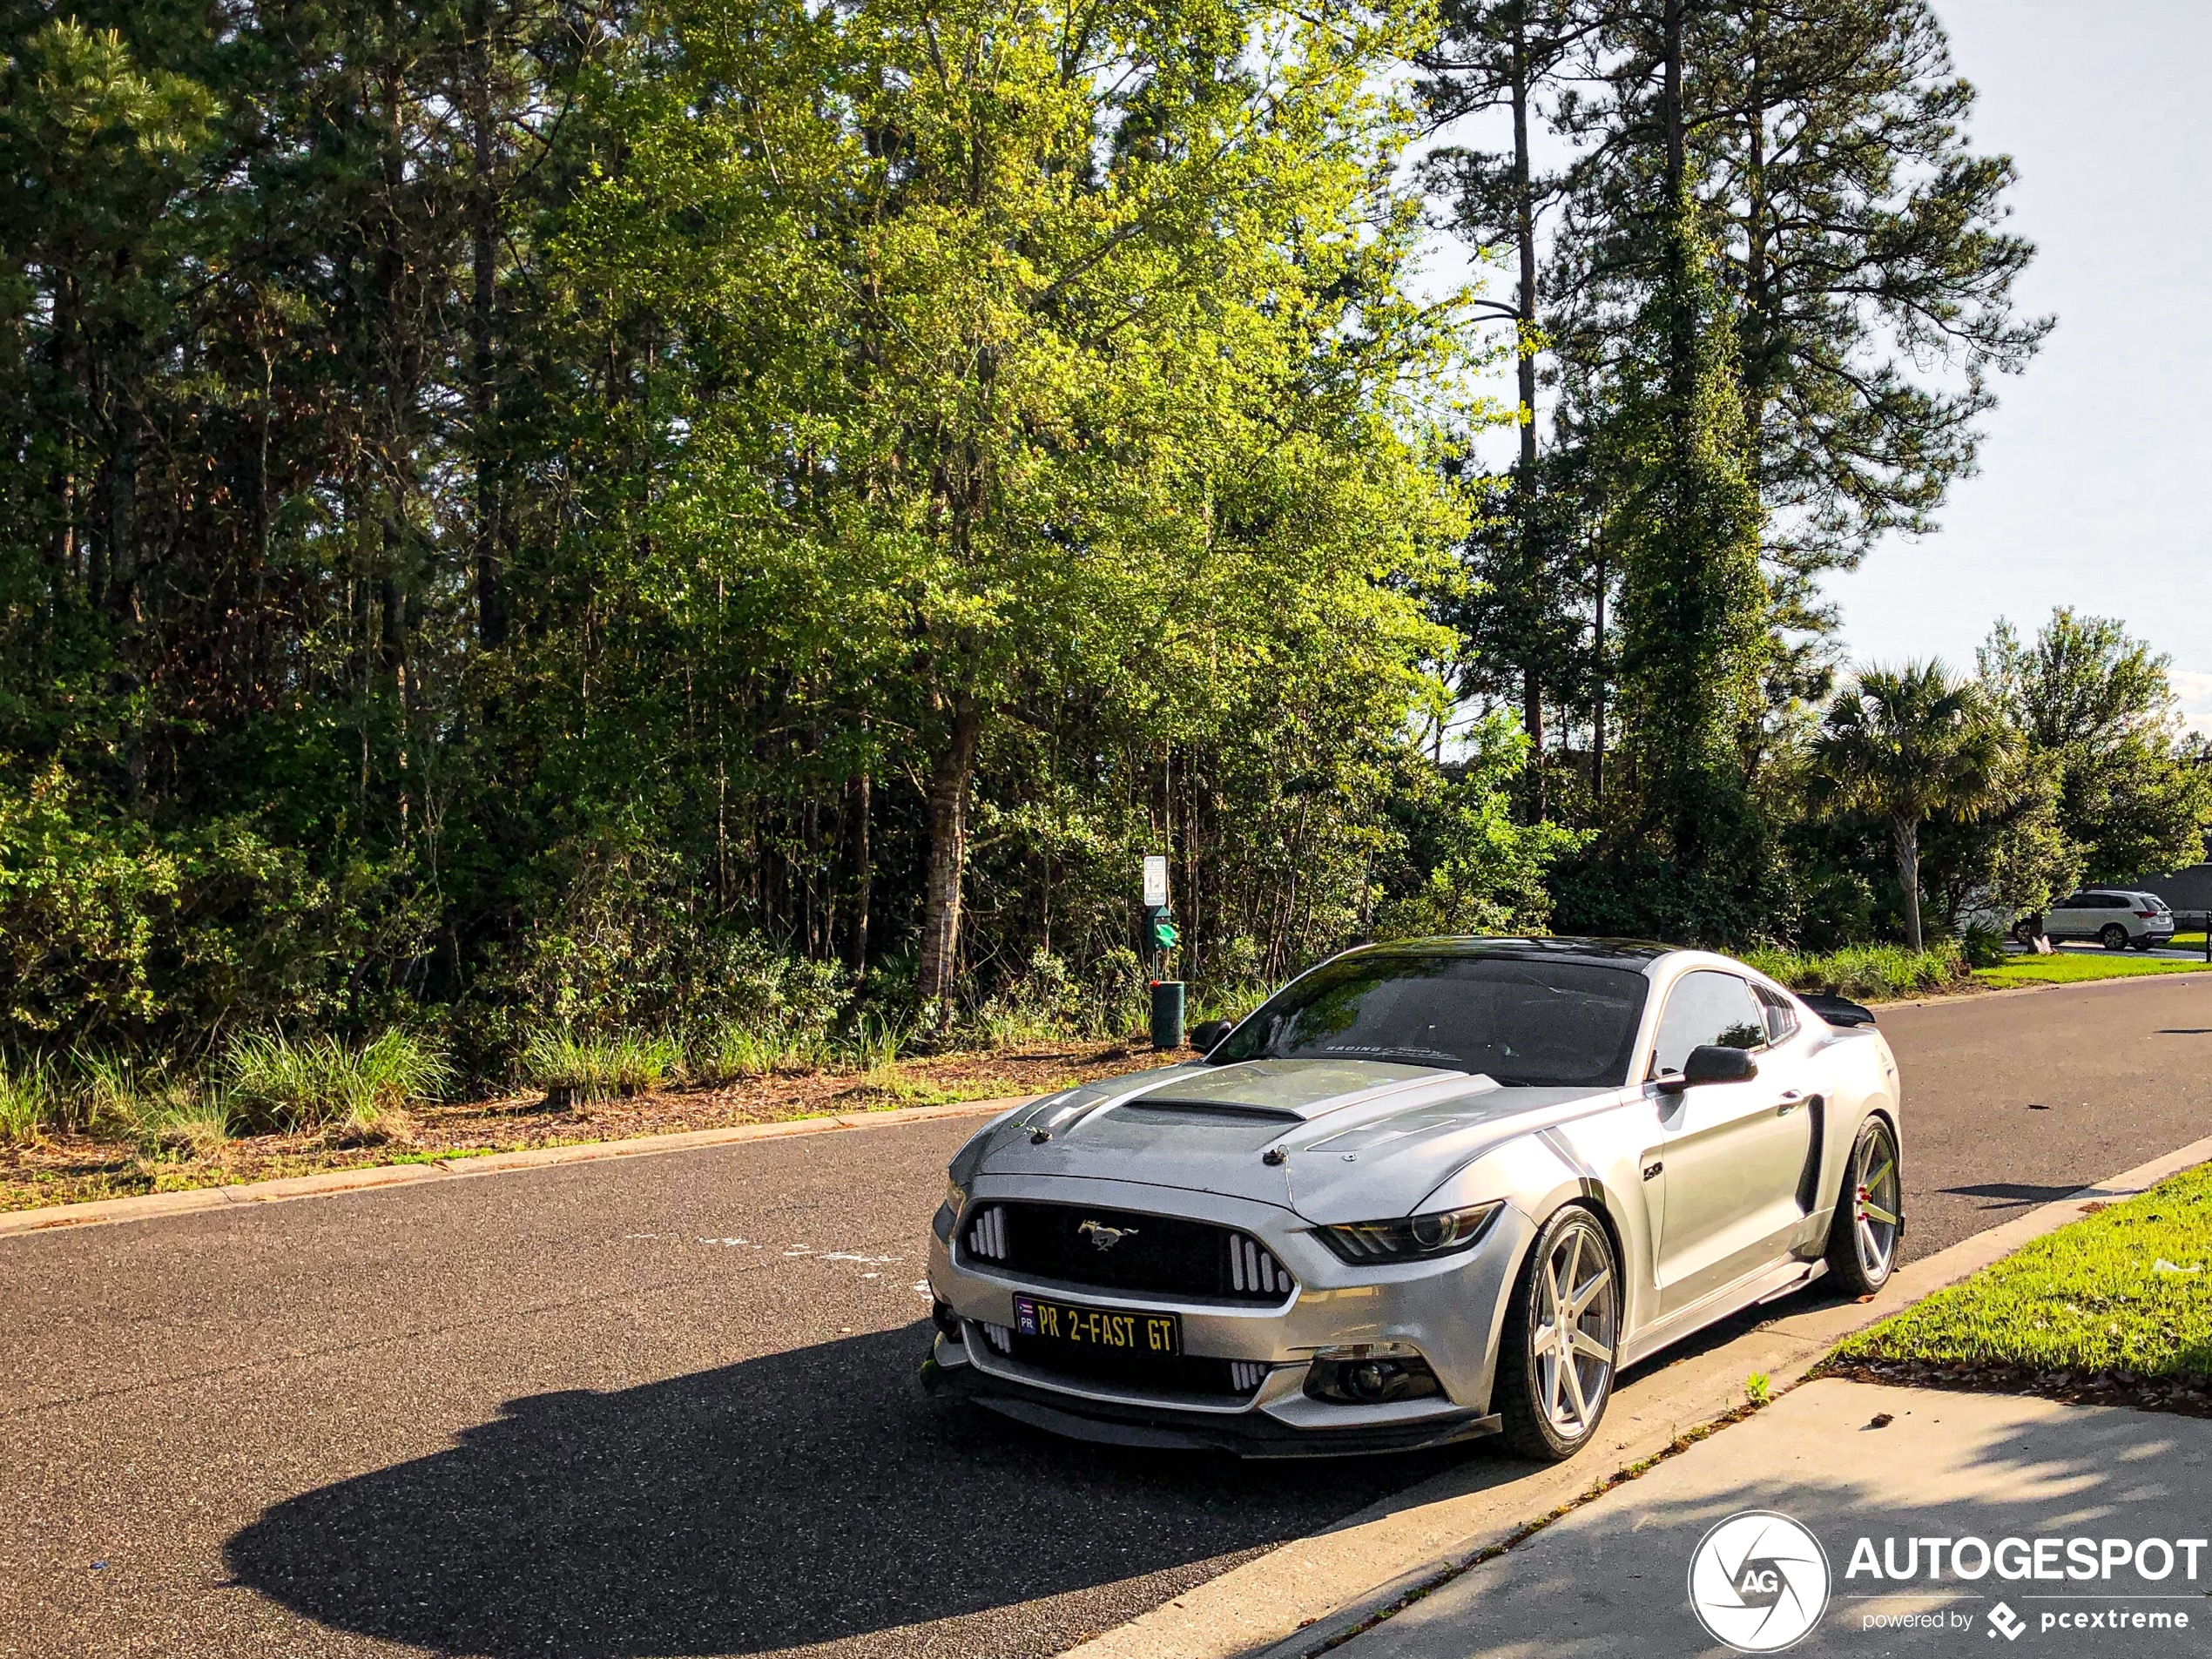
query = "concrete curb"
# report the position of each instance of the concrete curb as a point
(152, 1205)
(1312, 1593)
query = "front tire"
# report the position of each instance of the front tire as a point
(1562, 1342)
(1870, 1213)
(2113, 937)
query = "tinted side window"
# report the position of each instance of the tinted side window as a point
(2078, 902)
(1781, 1018)
(1704, 1006)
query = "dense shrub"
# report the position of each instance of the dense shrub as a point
(1867, 972)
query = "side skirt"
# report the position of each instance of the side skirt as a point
(1763, 1284)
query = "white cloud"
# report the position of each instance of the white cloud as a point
(2194, 691)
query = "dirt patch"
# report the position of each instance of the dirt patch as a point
(75, 1168)
(2072, 1387)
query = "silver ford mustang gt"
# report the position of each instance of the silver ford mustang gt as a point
(1428, 1190)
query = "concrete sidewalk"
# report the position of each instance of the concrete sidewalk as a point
(1614, 1575)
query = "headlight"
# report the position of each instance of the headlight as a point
(947, 1215)
(1443, 1232)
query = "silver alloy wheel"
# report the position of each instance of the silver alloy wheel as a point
(1576, 1319)
(1874, 1204)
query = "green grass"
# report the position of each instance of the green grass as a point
(2071, 967)
(276, 1080)
(1868, 973)
(594, 1067)
(2128, 1290)
(28, 1103)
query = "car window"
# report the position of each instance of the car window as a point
(1541, 1023)
(2078, 902)
(1781, 1018)
(1706, 1006)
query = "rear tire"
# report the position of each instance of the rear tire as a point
(1869, 1221)
(1562, 1339)
(2113, 937)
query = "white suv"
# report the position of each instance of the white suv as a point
(2112, 916)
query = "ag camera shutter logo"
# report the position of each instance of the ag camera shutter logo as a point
(1759, 1582)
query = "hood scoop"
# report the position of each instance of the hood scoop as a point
(1281, 1091)
(1206, 1111)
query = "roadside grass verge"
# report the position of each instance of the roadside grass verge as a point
(2116, 1307)
(1868, 973)
(2074, 968)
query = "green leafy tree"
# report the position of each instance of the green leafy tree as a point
(1057, 385)
(2097, 712)
(1905, 743)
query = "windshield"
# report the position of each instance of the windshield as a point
(1545, 1024)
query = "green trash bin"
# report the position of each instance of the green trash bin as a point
(1167, 1014)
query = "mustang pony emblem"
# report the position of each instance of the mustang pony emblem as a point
(1102, 1237)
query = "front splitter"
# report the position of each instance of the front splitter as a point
(1252, 1434)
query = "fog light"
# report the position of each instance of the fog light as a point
(1370, 1373)
(947, 1321)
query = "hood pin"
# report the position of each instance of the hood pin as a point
(1273, 1156)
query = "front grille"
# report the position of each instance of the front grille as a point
(1156, 1254)
(1175, 1373)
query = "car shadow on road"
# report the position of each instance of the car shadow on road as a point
(2012, 1193)
(798, 1498)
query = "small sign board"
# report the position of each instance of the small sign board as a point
(1156, 879)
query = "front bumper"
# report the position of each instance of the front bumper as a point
(1450, 1311)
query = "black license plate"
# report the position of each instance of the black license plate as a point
(1157, 1334)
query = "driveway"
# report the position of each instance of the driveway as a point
(664, 1406)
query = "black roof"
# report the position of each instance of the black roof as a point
(1609, 953)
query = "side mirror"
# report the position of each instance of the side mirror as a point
(1711, 1062)
(1206, 1035)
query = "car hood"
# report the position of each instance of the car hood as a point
(1359, 1139)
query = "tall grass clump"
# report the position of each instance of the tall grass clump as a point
(586, 1066)
(28, 1103)
(315, 1082)
(739, 1048)
(164, 1114)
(1867, 972)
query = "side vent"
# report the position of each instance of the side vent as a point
(1251, 1268)
(1245, 1375)
(987, 1234)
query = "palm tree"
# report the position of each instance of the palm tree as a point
(1904, 743)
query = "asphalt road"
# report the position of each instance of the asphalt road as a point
(664, 1405)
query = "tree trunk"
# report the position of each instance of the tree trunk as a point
(1531, 706)
(1597, 681)
(856, 945)
(949, 783)
(491, 599)
(1906, 832)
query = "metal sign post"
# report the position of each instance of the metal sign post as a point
(1160, 936)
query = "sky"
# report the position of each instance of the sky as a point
(2094, 489)
(2095, 485)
